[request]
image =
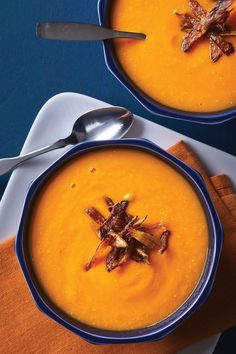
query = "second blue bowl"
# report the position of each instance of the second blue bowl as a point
(154, 107)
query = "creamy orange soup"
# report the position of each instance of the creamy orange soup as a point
(159, 67)
(63, 238)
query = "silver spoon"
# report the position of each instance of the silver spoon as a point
(75, 31)
(99, 124)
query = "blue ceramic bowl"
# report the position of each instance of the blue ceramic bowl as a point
(154, 107)
(162, 328)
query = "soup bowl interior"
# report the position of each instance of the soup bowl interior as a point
(162, 328)
(104, 7)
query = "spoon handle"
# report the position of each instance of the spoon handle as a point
(9, 164)
(75, 31)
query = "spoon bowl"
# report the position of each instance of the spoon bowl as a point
(104, 123)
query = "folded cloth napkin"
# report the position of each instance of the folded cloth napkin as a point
(24, 329)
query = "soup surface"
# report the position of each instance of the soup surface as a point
(158, 66)
(63, 238)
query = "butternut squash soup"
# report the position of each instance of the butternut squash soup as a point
(160, 68)
(63, 238)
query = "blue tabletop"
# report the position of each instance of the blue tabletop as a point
(33, 70)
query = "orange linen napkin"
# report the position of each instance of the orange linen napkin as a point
(24, 329)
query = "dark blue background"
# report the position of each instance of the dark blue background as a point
(32, 70)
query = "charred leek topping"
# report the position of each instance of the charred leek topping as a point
(125, 237)
(211, 25)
